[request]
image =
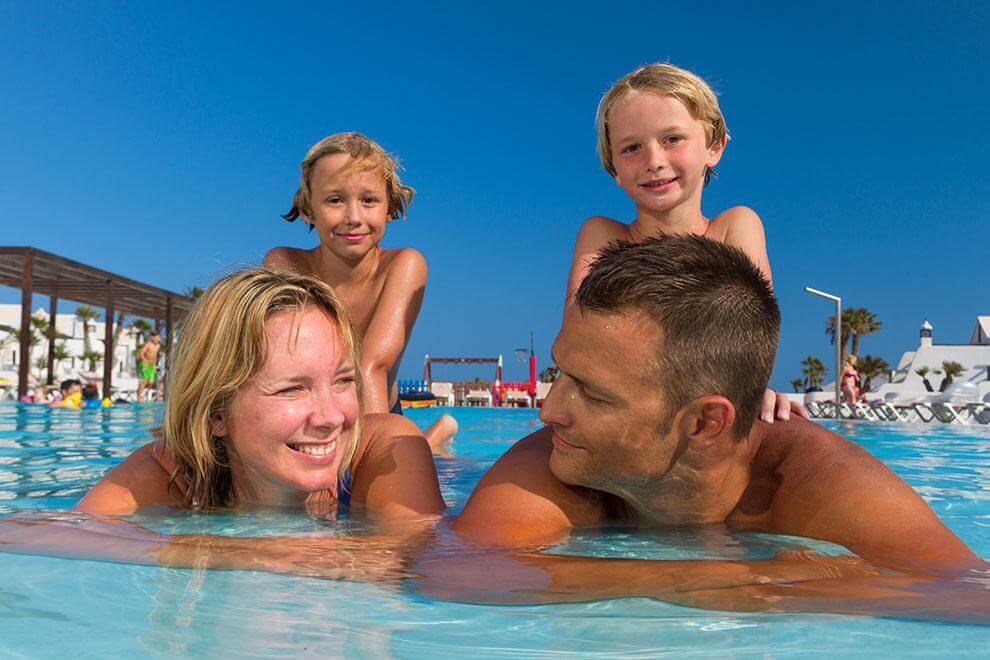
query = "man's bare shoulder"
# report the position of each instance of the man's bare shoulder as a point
(733, 223)
(519, 502)
(815, 483)
(288, 258)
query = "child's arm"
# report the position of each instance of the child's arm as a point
(594, 234)
(744, 230)
(390, 326)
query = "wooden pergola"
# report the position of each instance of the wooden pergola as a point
(35, 271)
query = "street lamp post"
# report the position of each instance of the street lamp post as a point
(838, 342)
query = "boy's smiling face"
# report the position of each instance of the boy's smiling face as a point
(660, 151)
(349, 205)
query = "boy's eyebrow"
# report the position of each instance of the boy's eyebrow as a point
(666, 129)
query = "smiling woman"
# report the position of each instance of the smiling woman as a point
(265, 408)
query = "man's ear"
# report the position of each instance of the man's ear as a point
(218, 425)
(708, 421)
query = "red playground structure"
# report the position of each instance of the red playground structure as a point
(499, 389)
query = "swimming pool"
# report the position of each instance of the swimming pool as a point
(50, 607)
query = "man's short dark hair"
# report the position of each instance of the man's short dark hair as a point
(90, 391)
(718, 318)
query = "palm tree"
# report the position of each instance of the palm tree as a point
(797, 384)
(856, 322)
(952, 370)
(194, 292)
(86, 314)
(814, 371)
(870, 367)
(830, 328)
(117, 330)
(923, 372)
(92, 357)
(142, 328)
(61, 353)
(41, 364)
(861, 322)
(550, 374)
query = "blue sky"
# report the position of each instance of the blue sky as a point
(162, 143)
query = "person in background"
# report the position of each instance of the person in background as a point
(148, 365)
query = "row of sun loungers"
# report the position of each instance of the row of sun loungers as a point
(915, 411)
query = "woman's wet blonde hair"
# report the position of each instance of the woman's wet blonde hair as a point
(367, 154)
(221, 346)
(665, 80)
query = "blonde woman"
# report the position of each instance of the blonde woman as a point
(264, 408)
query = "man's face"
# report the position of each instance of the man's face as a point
(605, 409)
(156, 339)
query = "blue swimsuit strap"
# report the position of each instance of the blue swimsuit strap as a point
(344, 490)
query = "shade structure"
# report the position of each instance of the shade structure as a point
(36, 271)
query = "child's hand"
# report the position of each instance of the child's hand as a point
(777, 406)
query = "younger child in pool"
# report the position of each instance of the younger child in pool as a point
(350, 190)
(660, 135)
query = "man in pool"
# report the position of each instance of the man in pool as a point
(663, 361)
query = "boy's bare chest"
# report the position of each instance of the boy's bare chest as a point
(362, 300)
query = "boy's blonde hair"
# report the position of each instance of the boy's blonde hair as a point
(366, 153)
(665, 80)
(221, 347)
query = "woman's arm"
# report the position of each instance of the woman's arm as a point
(390, 326)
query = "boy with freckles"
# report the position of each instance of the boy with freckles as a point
(350, 190)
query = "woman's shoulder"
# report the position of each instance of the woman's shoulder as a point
(379, 431)
(393, 470)
(142, 479)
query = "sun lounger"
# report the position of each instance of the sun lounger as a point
(828, 409)
(980, 412)
(946, 413)
(814, 410)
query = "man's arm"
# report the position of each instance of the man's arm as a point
(833, 490)
(519, 503)
(391, 325)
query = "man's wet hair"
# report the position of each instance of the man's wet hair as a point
(718, 318)
(90, 391)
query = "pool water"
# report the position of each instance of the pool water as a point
(52, 607)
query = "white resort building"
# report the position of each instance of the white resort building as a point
(974, 357)
(69, 329)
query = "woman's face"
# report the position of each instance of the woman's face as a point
(287, 428)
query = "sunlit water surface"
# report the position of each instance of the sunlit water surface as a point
(54, 607)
